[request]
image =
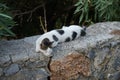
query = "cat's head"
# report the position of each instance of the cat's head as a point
(44, 46)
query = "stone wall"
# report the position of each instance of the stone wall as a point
(93, 57)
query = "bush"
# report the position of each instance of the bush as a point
(97, 10)
(6, 22)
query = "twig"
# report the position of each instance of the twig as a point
(45, 17)
(42, 24)
(31, 11)
(29, 19)
(44, 27)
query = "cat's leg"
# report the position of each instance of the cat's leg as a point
(49, 52)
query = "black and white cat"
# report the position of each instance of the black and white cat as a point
(47, 41)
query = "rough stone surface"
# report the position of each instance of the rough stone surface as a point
(14, 68)
(1, 71)
(74, 63)
(100, 48)
(114, 76)
(4, 59)
(27, 74)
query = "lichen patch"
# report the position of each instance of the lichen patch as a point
(70, 67)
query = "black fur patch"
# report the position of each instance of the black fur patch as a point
(74, 35)
(67, 39)
(55, 38)
(83, 33)
(45, 44)
(61, 32)
(44, 47)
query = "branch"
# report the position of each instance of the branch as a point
(31, 11)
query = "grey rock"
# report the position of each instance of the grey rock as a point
(100, 56)
(31, 40)
(19, 57)
(97, 35)
(20, 50)
(35, 64)
(12, 69)
(91, 54)
(1, 71)
(116, 64)
(114, 76)
(98, 45)
(4, 59)
(28, 74)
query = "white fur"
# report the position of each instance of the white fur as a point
(61, 38)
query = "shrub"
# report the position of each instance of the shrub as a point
(6, 22)
(97, 10)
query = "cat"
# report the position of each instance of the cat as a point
(51, 39)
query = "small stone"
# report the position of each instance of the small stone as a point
(116, 64)
(42, 75)
(114, 76)
(29, 74)
(39, 77)
(1, 71)
(14, 68)
(4, 59)
(91, 54)
(35, 64)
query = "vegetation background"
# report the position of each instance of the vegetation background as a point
(21, 18)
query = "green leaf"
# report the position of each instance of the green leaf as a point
(5, 16)
(79, 3)
(9, 31)
(81, 18)
(103, 7)
(5, 22)
(78, 9)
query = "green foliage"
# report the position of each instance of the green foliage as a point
(26, 14)
(83, 9)
(98, 10)
(54, 14)
(107, 10)
(6, 22)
